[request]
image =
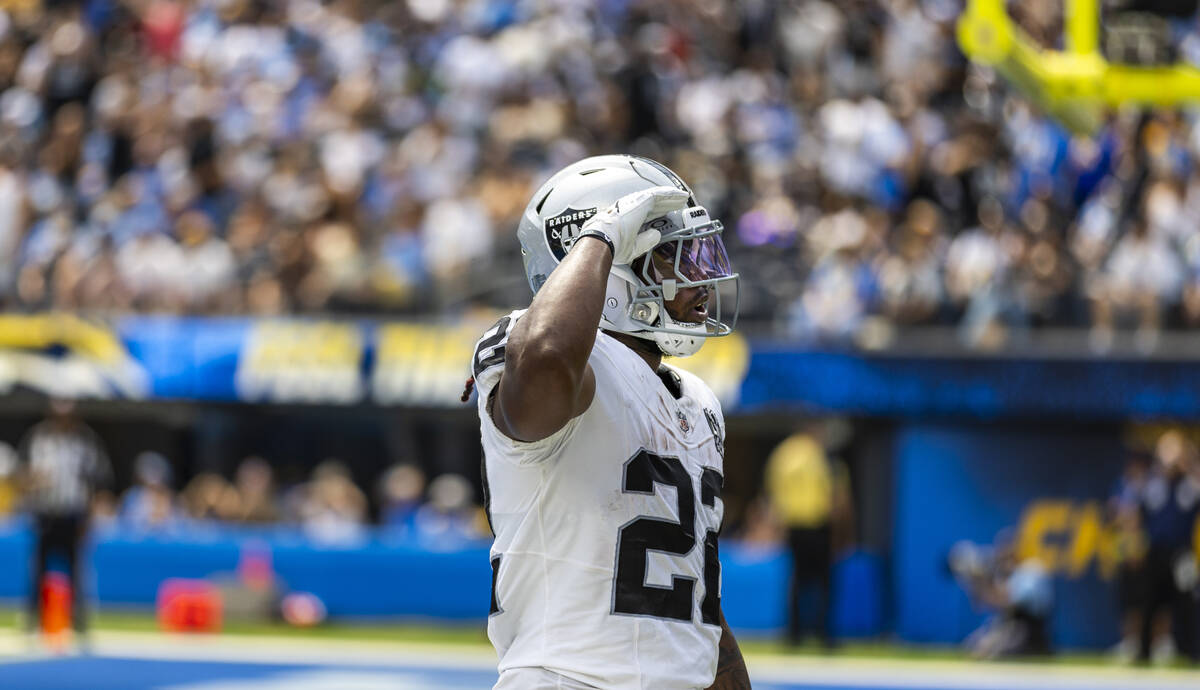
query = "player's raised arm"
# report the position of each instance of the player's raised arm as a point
(547, 380)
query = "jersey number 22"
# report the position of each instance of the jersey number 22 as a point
(636, 538)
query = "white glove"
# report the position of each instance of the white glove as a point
(621, 224)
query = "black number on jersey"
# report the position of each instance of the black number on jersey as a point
(490, 350)
(710, 608)
(638, 537)
(495, 607)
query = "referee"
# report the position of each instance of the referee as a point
(65, 466)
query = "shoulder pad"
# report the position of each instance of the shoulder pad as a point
(487, 362)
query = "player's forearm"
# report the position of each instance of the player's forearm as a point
(731, 667)
(559, 330)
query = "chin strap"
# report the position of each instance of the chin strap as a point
(677, 344)
(669, 344)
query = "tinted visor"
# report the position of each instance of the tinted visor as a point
(692, 259)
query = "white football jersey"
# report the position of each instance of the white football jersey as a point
(604, 565)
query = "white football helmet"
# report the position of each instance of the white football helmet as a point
(690, 253)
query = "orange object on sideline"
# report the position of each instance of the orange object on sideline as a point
(56, 604)
(189, 606)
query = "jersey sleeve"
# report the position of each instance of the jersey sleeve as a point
(487, 361)
(487, 366)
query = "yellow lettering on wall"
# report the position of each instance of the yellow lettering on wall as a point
(1067, 537)
(1196, 539)
(1043, 520)
(301, 361)
(1108, 557)
(1090, 541)
(422, 363)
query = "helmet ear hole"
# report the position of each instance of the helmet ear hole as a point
(645, 312)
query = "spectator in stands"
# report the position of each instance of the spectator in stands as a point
(204, 498)
(150, 502)
(65, 470)
(1142, 278)
(450, 518)
(807, 495)
(400, 492)
(978, 263)
(1169, 505)
(910, 280)
(841, 287)
(252, 497)
(331, 508)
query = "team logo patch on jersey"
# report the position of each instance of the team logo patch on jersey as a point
(683, 421)
(562, 230)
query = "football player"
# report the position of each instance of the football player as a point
(603, 465)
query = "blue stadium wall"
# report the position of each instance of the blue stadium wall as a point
(957, 481)
(981, 445)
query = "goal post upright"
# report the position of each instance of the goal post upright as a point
(1076, 85)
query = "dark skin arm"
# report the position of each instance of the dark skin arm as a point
(547, 380)
(731, 667)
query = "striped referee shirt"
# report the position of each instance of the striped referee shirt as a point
(66, 465)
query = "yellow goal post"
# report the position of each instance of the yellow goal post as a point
(1076, 85)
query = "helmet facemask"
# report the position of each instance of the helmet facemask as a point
(690, 258)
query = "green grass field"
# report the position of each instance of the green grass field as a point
(475, 636)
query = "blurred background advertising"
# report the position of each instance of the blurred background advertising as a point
(247, 246)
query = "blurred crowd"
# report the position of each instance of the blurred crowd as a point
(329, 507)
(277, 156)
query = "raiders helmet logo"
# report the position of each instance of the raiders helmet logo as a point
(562, 230)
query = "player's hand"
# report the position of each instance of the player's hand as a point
(621, 224)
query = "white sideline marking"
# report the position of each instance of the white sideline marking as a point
(266, 650)
(321, 680)
(977, 675)
(885, 674)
